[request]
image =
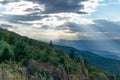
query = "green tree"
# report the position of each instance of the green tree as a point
(51, 44)
(11, 40)
(1, 36)
(72, 55)
(6, 54)
(62, 61)
(20, 52)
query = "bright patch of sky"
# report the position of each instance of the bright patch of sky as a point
(108, 9)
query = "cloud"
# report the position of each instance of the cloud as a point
(5, 26)
(100, 25)
(60, 6)
(8, 1)
(22, 18)
(42, 18)
(18, 8)
(90, 5)
(71, 27)
(100, 29)
(23, 11)
(107, 26)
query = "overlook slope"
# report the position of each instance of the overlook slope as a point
(22, 58)
(111, 65)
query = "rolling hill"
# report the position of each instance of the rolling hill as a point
(111, 65)
(104, 48)
(22, 58)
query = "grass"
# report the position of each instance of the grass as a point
(8, 73)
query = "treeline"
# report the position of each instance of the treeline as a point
(23, 47)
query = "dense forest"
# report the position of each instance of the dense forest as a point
(22, 58)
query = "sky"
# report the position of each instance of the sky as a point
(62, 19)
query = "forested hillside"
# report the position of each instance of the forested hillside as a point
(108, 64)
(22, 58)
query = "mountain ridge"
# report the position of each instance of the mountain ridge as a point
(94, 46)
(36, 60)
(94, 59)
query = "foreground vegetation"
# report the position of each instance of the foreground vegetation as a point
(22, 58)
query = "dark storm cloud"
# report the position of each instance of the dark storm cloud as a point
(8, 1)
(100, 29)
(60, 6)
(18, 18)
(98, 26)
(5, 26)
(73, 27)
(51, 7)
(106, 26)
(33, 10)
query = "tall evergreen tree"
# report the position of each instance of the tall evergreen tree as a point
(1, 36)
(51, 44)
(6, 54)
(72, 55)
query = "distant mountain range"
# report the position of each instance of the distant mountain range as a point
(111, 65)
(108, 48)
(107, 54)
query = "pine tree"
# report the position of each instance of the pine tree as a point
(51, 44)
(72, 55)
(6, 54)
(0, 36)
